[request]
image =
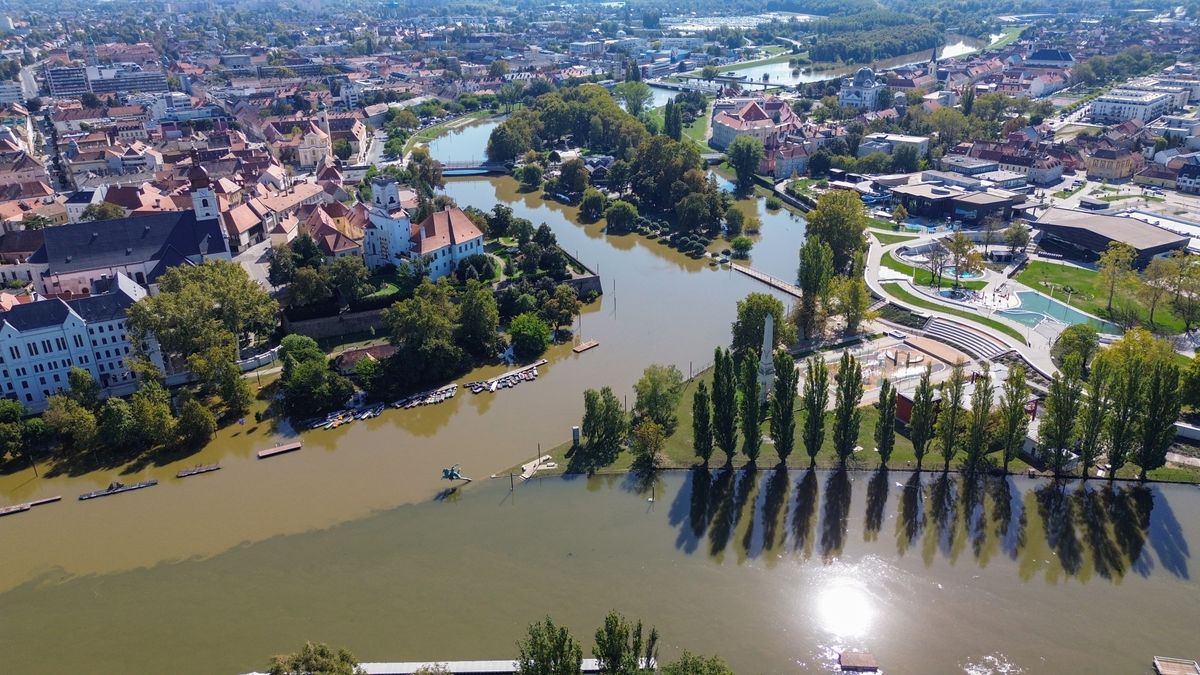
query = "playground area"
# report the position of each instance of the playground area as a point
(898, 362)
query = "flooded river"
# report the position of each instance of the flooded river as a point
(345, 542)
(777, 572)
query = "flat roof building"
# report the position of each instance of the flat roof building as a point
(1087, 235)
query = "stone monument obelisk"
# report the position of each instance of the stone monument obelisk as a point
(766, 359)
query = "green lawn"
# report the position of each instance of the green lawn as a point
(695, 131)
(887, 238)
(910, 299)
(1064, 194)
(920, 275)
(1090, 295)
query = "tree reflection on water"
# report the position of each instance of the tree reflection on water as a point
(1053, 530)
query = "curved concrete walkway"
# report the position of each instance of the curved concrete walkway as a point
(1037, 353)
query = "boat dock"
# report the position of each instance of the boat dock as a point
(197, 470)
(116, 488)
(506, 380)
(584, 346)
(1165, 665)
(777, 284)
(21, 508)
(528, 470)
(279, 450)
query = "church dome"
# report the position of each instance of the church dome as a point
(198, 177)
(864, 77)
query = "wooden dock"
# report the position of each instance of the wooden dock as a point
(777, 284)
(1165, 665)
(279, 450)
(197, 470)
(584, 346)
(21, 508)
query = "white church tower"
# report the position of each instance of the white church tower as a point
(204, 200)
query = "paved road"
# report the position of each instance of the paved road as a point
(374, 153)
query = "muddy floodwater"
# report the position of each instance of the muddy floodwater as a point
(351, 541)
(776, 571)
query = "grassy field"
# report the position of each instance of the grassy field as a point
(693, 132)
(910, 299)
(1090, 295)
(920, 275)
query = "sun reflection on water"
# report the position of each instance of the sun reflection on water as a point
(844, 607)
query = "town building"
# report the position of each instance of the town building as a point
(939, 200)
(67, 81)
(863, 91)
(439, 242)
(43, 340)
(1109, 163)
(1120, 105)
(82, 258)
(769, 120)
(1188, 179)
(887, 144)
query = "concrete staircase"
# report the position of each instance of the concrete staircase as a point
(969, 340)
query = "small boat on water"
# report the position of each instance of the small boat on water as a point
(197, 470)
(117, 487)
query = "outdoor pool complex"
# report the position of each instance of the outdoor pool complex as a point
(1036, 308)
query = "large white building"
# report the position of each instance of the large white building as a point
(1122, 105)
(41, 341)
(862, 91)
(440, 242)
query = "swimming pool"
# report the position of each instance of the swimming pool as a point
(1036, 308)
(950, 272)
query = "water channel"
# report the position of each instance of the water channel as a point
(778, 572)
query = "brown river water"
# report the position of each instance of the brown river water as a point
(346, 541)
